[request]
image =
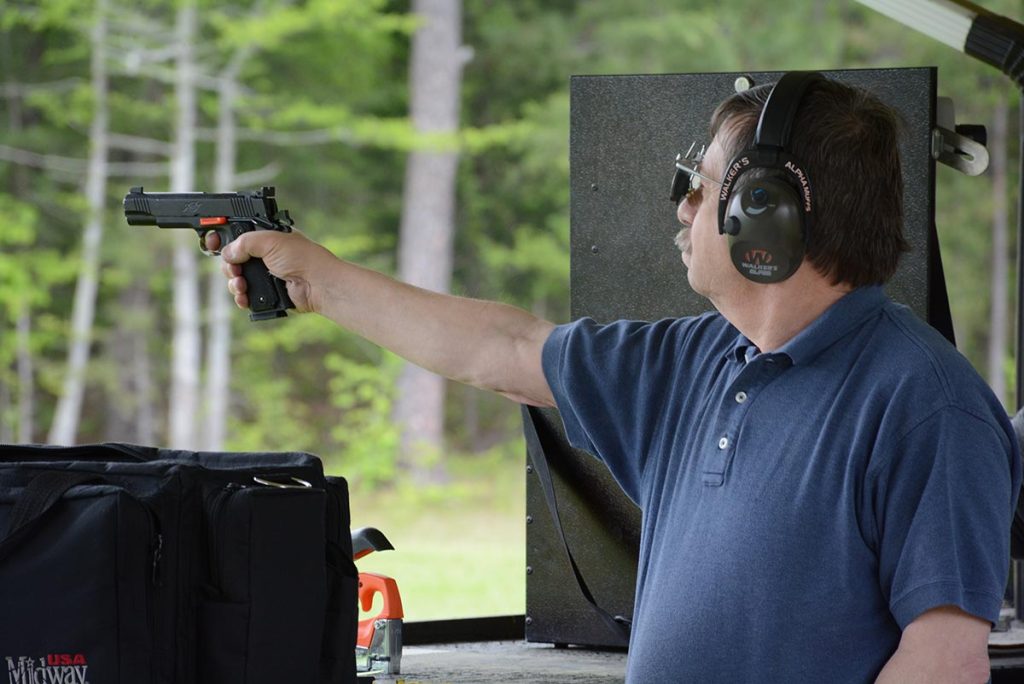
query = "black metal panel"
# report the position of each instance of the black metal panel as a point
(625, 133)
(460, 630)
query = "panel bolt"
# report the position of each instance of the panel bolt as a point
(593, 186)
(594, 249)
(529, 519)
(529, 620)
(529, 570)
(529, 469)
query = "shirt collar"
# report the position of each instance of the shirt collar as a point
(839, 319)
(742, 350)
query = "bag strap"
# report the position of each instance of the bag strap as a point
(38, 499)
(939, 315)
(536, 439)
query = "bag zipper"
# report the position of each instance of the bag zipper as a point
(83, 449)
(220, 499)
(156, 547)
(158, 555)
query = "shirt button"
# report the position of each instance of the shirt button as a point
(741, 397)
(723, 443)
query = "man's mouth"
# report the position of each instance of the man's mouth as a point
(683, 240)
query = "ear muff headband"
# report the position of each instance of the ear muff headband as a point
(767, 220)
(776, 123)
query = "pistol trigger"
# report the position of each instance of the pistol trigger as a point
(202, 244)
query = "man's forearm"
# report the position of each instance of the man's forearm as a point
(486, 344)
(944, 645)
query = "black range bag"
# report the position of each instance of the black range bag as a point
(132, 565)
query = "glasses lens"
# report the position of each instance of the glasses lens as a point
(682, 186)
(686, 183)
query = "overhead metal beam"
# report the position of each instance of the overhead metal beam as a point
(943, 20)
(965, 27)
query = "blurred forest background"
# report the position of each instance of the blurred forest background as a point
(425, 139)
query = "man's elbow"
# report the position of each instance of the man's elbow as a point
(514, 368)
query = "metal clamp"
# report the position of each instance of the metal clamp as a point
(384, 654)
(949, 146)
(959, 152)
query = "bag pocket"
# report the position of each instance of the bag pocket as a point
(76, 593)
(262, 619)
(338, 663)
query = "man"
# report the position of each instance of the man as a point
(826, 485)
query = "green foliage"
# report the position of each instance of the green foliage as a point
(336, 71)
(364, 395)
(27, 274)
(459, 549)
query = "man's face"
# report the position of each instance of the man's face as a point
(704, 251)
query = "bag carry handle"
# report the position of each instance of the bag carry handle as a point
(38, 499)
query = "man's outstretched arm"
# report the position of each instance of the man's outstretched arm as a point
(485, 344)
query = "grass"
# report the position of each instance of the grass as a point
(460, 549)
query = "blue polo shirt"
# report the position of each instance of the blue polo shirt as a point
(800, 507)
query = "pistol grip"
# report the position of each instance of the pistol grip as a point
(268, 295)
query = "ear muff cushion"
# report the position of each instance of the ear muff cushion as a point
(783, 208)
(764, 229)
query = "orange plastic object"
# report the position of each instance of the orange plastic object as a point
(213, 221)
(370, 584)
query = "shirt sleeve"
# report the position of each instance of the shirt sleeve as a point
(609, 383)
(942, 507)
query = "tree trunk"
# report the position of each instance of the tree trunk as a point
(145, 417)
(23, 352)
(999, 323)
(119, 406)
(5, 404)
(218, 369)
(69, 406)
(427, 232)
(26, 378)
(186, 354)
(129, 413)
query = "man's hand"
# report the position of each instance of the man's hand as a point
(943, 645)
(289, 256)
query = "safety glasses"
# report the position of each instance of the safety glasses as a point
(687, 178)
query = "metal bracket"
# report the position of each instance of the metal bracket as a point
(384, 655)
(960, 152)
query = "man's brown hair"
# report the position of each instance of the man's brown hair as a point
(848, 141)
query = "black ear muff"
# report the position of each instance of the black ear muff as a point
(767, 216)
(763, 222)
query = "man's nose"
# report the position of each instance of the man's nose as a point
(685, 212)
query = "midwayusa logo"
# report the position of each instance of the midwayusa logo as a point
(55, 668)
